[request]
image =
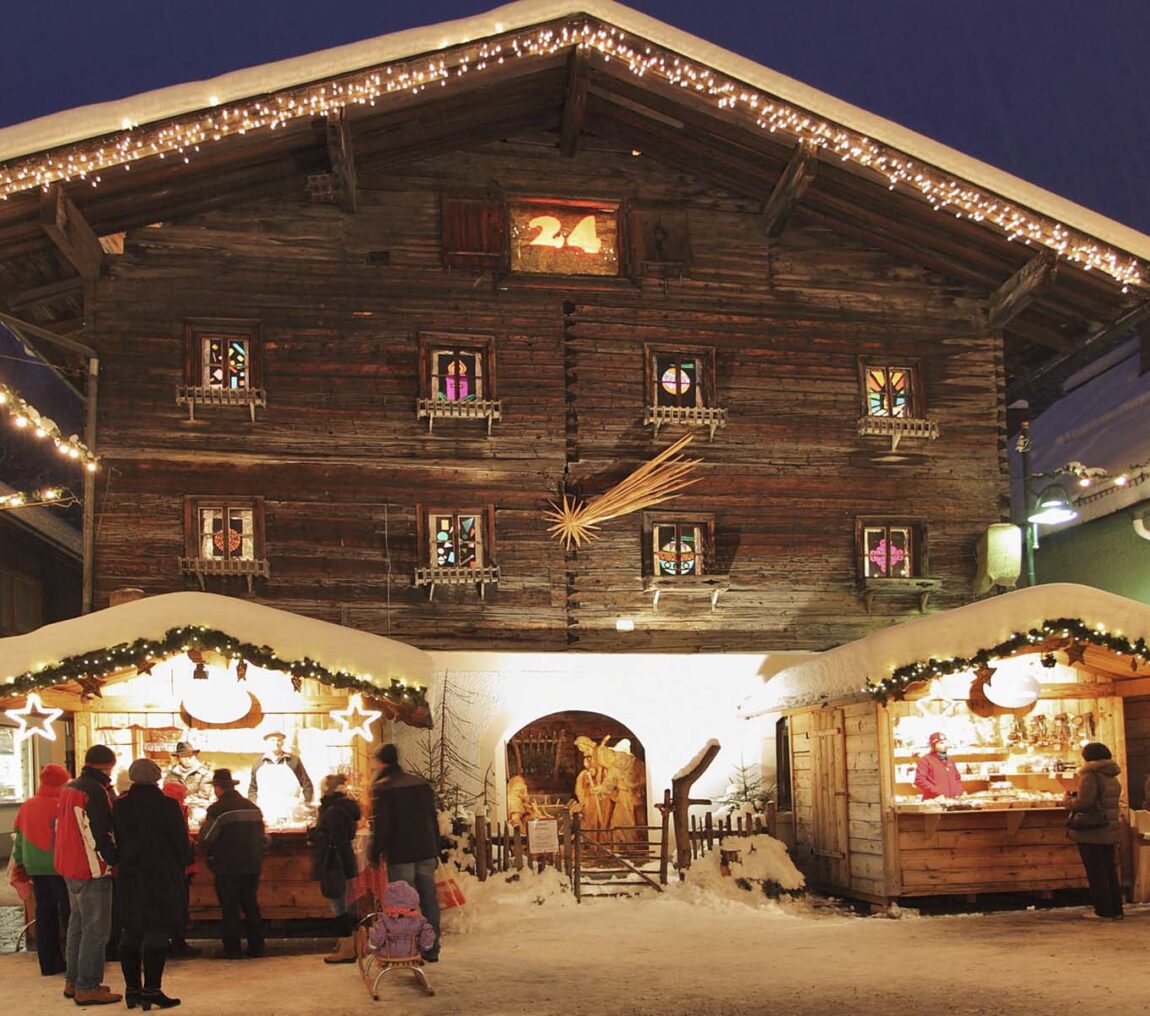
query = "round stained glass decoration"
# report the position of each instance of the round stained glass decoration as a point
(676, 381)
(677, 558)
(234, 540)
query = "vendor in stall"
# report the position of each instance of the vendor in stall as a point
(192, 774)
(936, 774)
(279, 780)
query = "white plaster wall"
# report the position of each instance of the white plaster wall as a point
(672, 703)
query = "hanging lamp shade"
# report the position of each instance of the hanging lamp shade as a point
(1053, 506)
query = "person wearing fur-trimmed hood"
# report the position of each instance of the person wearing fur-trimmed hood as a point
(1099, 790)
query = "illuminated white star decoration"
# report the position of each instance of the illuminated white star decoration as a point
(34, 718)
(355, 719)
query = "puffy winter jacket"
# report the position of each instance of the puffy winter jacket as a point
(233, 836)
(401, 930)
(1098, 779)
(405, 821)
(85, 848)
(35, 831)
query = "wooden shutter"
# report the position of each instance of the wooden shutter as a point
(658, 236)
(474, 231)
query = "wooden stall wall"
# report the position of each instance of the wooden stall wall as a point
(1137, 749)
(343, 464)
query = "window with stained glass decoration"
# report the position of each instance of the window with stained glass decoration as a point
(679, 380)
(456, 540)
(225, 361)
(563, 238)
(457, 374)
(227, 533)
(889, 552)
(889, 391)
(677, 549)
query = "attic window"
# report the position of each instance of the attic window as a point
(559, 237)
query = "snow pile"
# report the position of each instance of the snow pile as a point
(958, 633)
(291, 636)
(506, 898)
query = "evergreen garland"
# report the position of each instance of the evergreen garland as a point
(143, 653)
(1064, 627)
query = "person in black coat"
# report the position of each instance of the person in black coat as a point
(333, 837)
(154, 851)
(405, 833)
(234, 841)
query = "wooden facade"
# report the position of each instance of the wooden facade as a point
(345, 468)
(860, 830)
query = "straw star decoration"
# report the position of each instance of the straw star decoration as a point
(656, 481)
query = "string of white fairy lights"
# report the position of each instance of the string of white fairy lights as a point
(26, 417)
(183, 136)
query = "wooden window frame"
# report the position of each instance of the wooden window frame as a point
(616, 207)
(915, 423)
(918, 583)
(194, 563)
(430, 407)
(428, 574)
(197, 330)
(708, 582)
(709, 415)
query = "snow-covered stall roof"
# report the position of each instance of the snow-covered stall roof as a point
(844, 671)
(108, 118)
(370, 658)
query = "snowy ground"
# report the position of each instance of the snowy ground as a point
(706, 949)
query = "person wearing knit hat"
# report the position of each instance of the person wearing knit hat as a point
(84, 853)
(32, 852)
(936, 774)
(150, 888)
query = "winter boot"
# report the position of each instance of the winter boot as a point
(344, 951)
(130, 967)
(155, 997)
(99, 995)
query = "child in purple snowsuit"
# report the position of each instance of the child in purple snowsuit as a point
(401, 930)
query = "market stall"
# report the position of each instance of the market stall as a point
(199, 682)
(932, 758)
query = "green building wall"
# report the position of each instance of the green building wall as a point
(1106, 553)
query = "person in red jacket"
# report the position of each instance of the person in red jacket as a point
(32, 851)
(84, 854)
(936, 775)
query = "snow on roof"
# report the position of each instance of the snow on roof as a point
(105, 118)
(843, 672)
(292, 637)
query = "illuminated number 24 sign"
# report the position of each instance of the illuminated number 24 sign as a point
(563, 239)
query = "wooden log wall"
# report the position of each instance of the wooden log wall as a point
(342, 462)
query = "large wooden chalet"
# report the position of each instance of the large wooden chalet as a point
(360, 316)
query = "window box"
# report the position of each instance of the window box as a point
(457, 550)
(224, 538)
(893, 405)
(457, 379)
(222, 366)
(680, 386)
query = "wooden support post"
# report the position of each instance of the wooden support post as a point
(665, 810)
(574, 104)
(709, 831)
(342, 158)
(481, 848)
(70, 232)
(795, 180)
(577, 879)
(680, 792)
(1019, 291)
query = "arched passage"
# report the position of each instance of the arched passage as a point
(581, 756)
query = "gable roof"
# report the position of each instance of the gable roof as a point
(664, 91)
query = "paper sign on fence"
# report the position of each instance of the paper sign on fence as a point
(543, 836)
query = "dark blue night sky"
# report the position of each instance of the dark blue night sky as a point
(1050, 90)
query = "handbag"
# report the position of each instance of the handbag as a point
(1094, 817)
(447, 890)
(332, 876)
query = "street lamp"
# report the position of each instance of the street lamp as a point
(1051, 506)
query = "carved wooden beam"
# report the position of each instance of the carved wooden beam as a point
(342, 156)
(795, 180)
(574, 105)
(1017, 292)
(681, 800)
(70, 232)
